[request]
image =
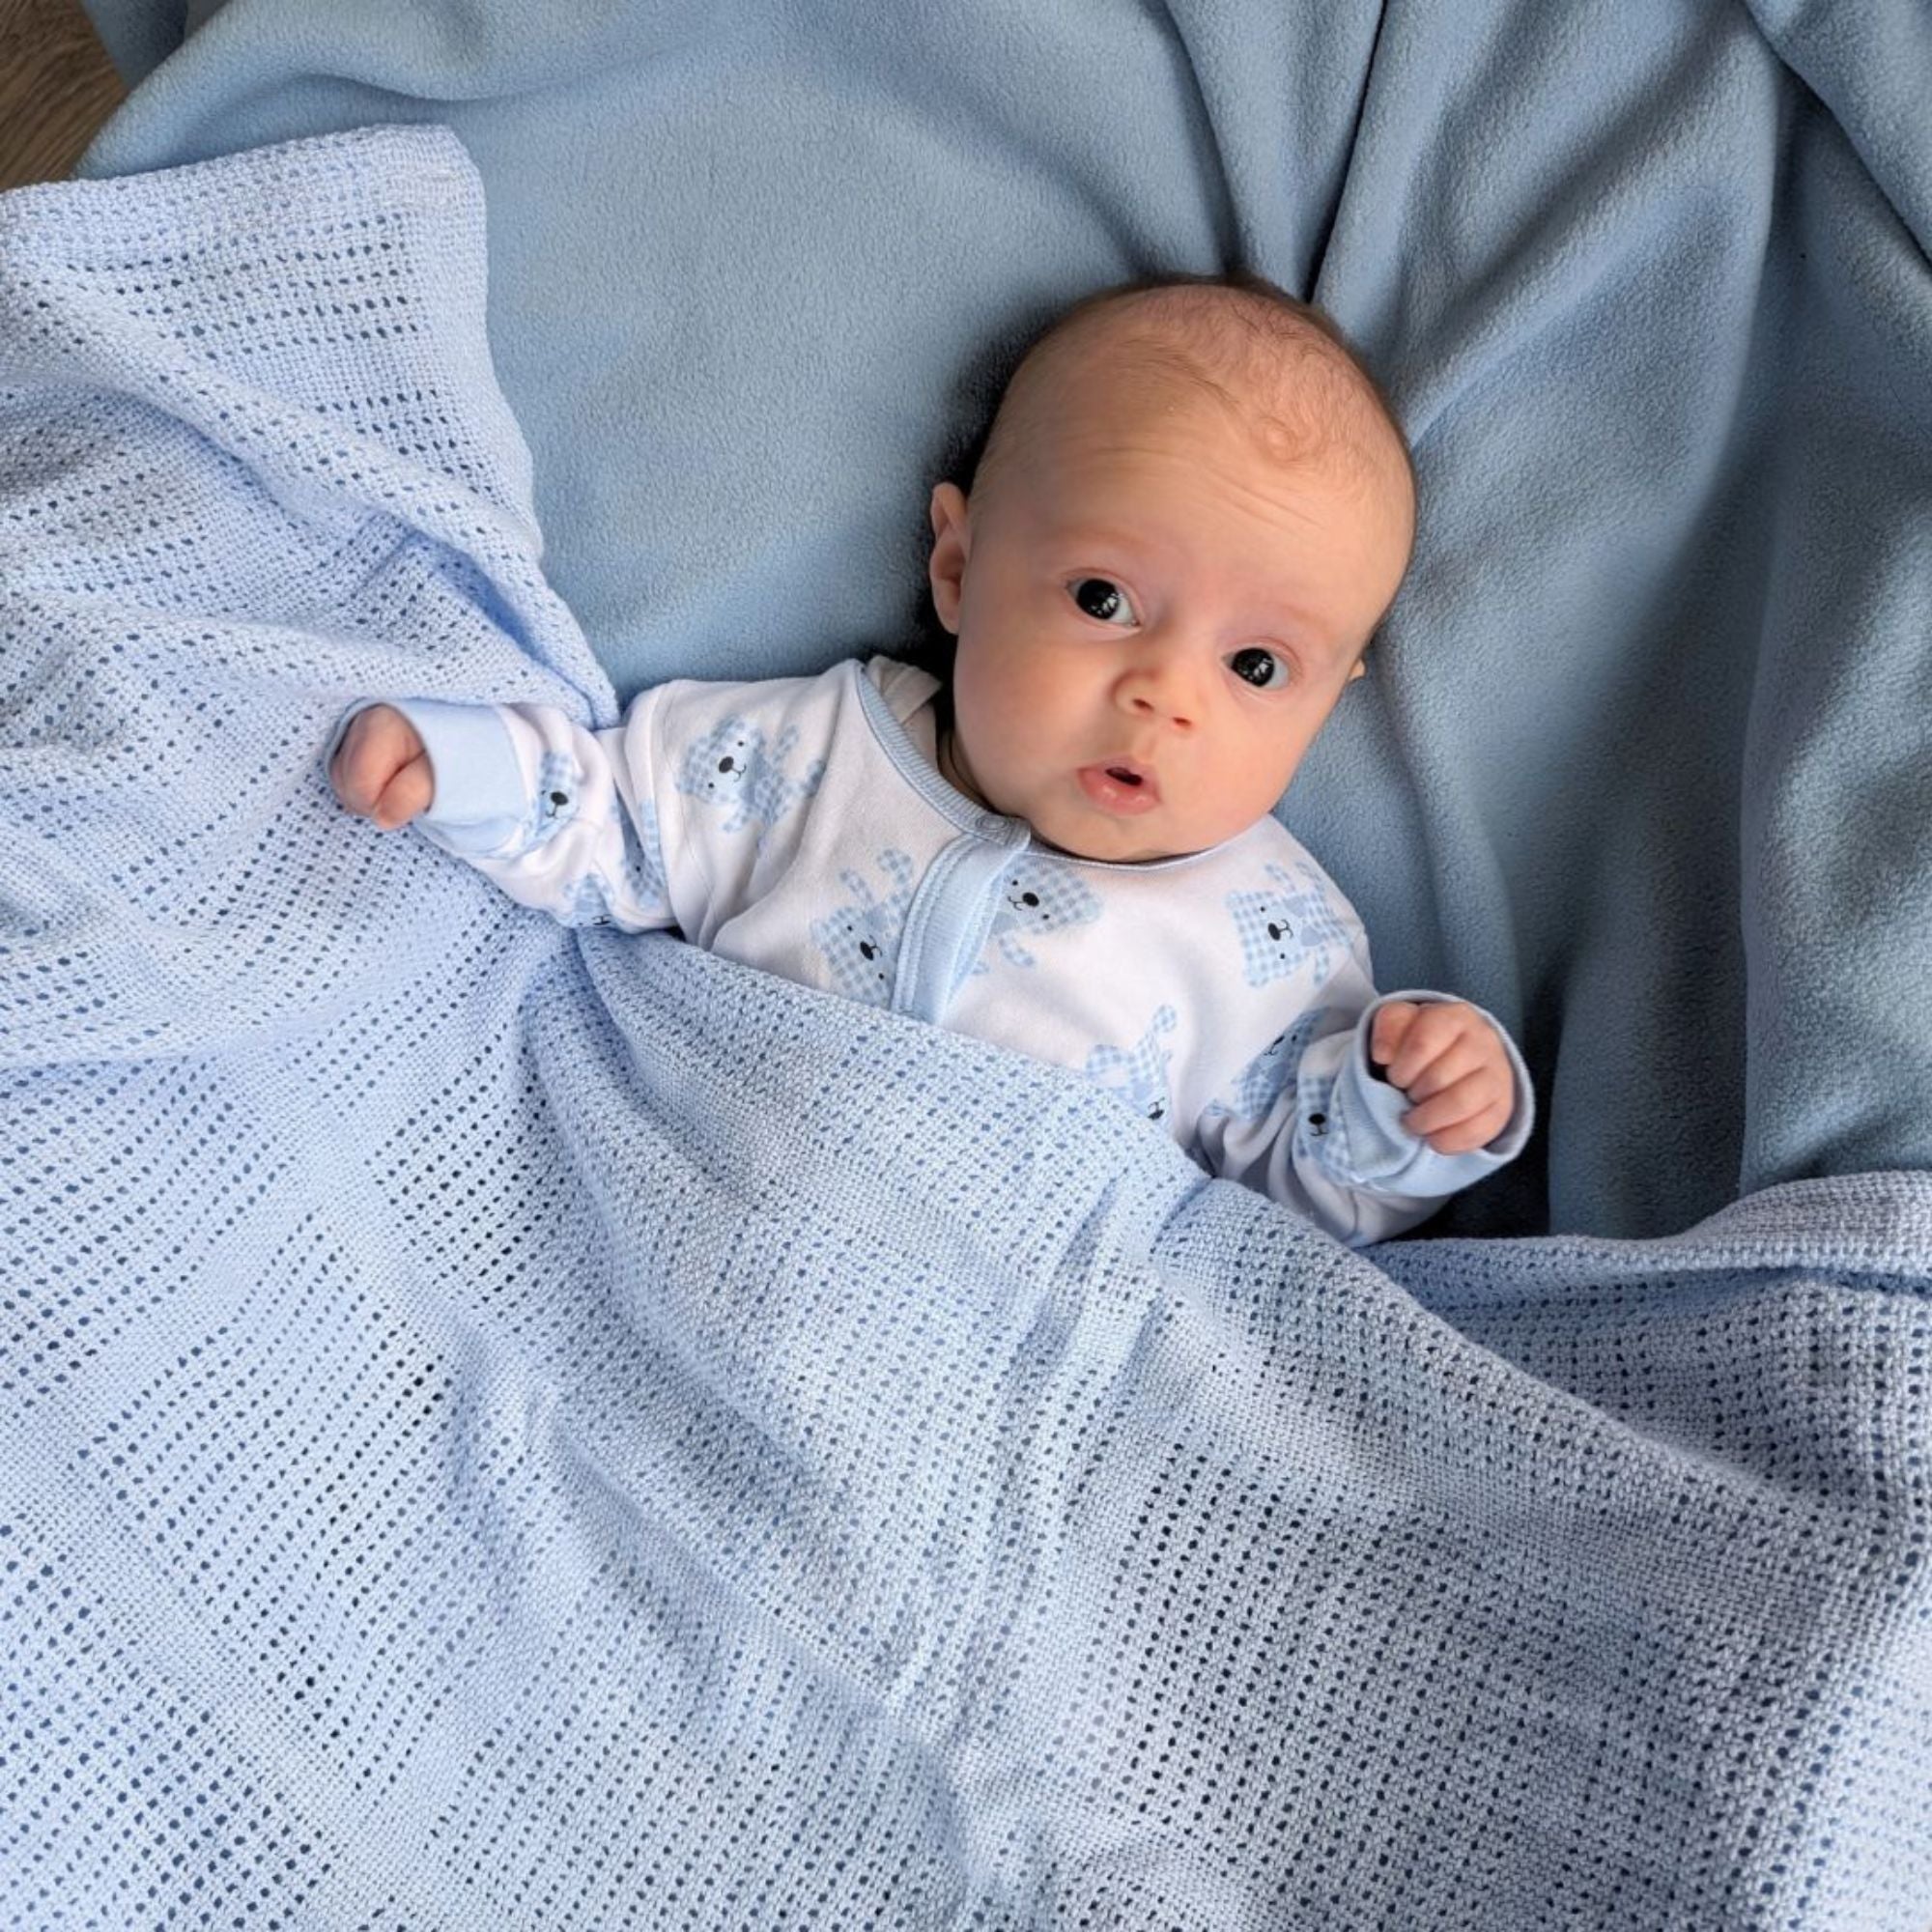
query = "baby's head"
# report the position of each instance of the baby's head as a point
(1192, 510)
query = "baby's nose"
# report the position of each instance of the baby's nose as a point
(1161, 677)
(1166, 695)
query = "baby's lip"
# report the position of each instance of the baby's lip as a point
(1134, 770)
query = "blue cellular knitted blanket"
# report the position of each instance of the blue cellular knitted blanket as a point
(504, 1426)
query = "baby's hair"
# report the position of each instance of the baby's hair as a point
(1225, 349)
(1232, 351)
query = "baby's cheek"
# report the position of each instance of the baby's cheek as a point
(1234, 798)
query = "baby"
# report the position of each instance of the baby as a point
(1192, 510)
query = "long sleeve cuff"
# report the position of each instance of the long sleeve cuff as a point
(1380, 1154)
(480, 800)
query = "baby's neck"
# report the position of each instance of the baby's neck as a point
(949, 769)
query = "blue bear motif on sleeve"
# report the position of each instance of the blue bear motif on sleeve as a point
(861, 940)
(1138, 1074)
(733, 766)
(1258, 1086)
(645, 861)
(554, 803)
(1037, 895)
(1287, 924)
(1315, 1098)
(589, 900)
(589, 903)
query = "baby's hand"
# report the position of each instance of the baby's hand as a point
(1447, 1056)
(381, 769)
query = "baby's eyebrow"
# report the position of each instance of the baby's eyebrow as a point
(1301, 627)
(1088, 536)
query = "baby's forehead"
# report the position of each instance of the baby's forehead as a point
(1225, 355)
(1225, 335)
(1284, 380)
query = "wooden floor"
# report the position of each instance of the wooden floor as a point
(56, 88)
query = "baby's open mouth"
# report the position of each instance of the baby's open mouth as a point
(1131, 773)
(1120, 785)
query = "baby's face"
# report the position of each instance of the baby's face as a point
(1152, 593)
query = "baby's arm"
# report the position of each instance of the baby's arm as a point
(558, 816)
(1331, 1143)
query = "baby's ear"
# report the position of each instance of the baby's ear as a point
(951, 539)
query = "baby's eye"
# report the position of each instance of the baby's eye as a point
(1259, 668)
(1101, 597)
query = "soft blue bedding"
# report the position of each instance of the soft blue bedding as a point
(1640, 763)
(508, 1427)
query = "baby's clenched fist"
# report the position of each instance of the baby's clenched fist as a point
(381, 769)
(1446, 1056)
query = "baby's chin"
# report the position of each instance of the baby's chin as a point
(1119, 842)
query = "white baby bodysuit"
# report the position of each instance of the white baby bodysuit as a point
(800, 824)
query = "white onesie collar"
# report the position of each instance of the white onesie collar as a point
(891, 691)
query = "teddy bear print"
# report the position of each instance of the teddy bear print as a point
(861, 940)
(731, 766)
(1317, 1128)
(1254, 1090)
(590, 900)
(1034, 897)
(1139, 1074)
(554, 805)
(1285, 924)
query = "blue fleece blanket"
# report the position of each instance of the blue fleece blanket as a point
(513, 1428)
(1639, 765)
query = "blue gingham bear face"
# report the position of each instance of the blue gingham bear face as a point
(1254, 1090)
(1316, 1130)
(1139, 1073)
(554, 805)
(1282, 927)
(861, 940)
(731, 767)
(1036, 897)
